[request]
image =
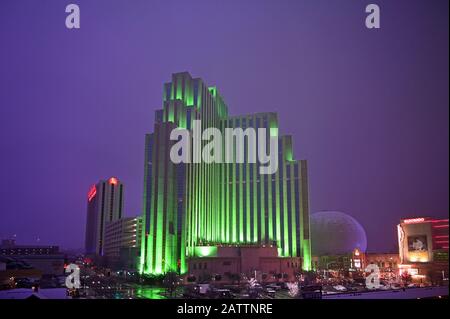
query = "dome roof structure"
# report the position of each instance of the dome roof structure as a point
(335, 233)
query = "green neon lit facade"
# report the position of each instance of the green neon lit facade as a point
(188, 209)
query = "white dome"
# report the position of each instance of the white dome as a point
(335, 233)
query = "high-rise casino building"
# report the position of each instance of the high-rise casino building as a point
(105, 204)
(192, 205)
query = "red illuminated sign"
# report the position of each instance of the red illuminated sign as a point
(92, 192)
(113, 181)
(414, 220)
(439, 221)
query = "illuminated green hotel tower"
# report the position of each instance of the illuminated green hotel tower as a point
(191, 205)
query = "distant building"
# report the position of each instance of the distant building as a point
(356, 263)
(387, 262)
(8, 248)
(342, 262)
(46, 259)
(105, 204)
(423, 248)
(233, 263)
(122, 242)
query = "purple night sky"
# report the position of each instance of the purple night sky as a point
(367, 108)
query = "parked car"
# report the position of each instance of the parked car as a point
(273, 287)
(340, 288)
(220, 294)
(24, 283)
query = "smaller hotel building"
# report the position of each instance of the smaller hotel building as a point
(122, 242)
